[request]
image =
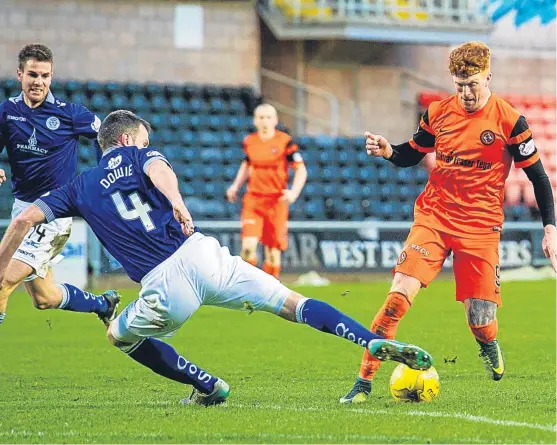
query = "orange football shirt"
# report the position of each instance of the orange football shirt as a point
(268, 162)
(474, 153)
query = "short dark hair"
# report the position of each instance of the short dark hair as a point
(117, 123)
(37, 51)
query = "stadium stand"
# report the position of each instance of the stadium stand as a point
(201, 128)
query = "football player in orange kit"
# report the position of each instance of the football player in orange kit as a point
(476, 136)
(269, 153)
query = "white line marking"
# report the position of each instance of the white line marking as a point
(413, 413)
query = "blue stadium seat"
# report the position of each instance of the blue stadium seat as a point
(79, 97)
(119, 101)
(112, 88)
(159, 103)
(314, 209)
(236, 106)
(99, 101)
(155, 89)
(178, 104)
(186, 190)
(92, 86)
(198, 106)
(192, 91)
(217, 105)
(231, 93)
(139, 103)
(216, 122)
(211, 155)
(211, 91)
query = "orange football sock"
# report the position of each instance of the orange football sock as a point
(485, 333)
(385, 323)
(271, 270)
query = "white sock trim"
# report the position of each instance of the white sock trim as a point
(65, 296)
(299, 307)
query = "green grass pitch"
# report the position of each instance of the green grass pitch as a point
(61, 382)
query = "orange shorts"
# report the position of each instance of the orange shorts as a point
(475, 262)
(265, 218)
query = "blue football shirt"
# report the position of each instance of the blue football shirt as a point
(133, 220)
(42, 143)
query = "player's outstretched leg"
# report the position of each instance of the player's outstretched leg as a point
(326, 318)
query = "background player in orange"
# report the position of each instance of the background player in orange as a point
(476, 136)
(269, 153)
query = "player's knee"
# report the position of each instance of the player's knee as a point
(406, 285)
(247, 253)
(273, 257)
(480, 312)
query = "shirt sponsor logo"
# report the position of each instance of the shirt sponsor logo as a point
(53, 123)
(154, 153)
(31, 145)
(527, 148)
(17, 118)
(487, 137)
(114, 162)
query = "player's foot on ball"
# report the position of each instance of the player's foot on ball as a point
(411, 355)
(219, 395)
(492, 356)
(113, 300)
(359, 392)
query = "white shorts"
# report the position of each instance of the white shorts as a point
(43, 244)
(200, 272)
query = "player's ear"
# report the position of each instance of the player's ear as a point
(19, 74)
(488, 78)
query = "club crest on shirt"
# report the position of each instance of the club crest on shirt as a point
(401, 258)
(487, 137)
(53, 123)
(114, 162)
(274, 150)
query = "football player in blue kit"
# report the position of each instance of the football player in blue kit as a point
(132, 203)
(40, 134)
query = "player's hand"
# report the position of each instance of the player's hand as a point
(232, 193)
(377, 145)
(2, 176)
(288, 195)
(182, 215)
(548, 244)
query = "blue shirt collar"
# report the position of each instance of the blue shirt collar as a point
(49, 97)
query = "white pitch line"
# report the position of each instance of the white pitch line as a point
(463, 416)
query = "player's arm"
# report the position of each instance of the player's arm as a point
(241, 177)
(164, 179)
(407, 154)
(296, 162)
(87, 124)
(522, 147)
